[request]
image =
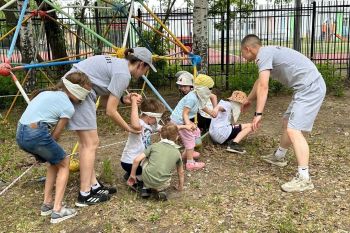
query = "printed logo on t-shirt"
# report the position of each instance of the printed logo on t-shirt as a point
(108, 59)
(146, 137)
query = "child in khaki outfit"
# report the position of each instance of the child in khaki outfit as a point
(158, 162)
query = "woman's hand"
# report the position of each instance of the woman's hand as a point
(132, 96)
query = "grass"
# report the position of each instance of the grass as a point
(233, 193)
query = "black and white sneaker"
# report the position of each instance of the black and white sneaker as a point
(91, 199)
(145, 193)
(235, 148)
(104, 190)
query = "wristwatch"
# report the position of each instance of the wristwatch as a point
(258, 114)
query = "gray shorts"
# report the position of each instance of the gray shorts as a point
(306, 103)
(84, 117)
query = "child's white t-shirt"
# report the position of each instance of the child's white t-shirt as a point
(221, 126)
(137, 143)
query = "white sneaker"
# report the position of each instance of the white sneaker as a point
(298, 184)
(272, 159)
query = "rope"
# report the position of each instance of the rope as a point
(28, 169)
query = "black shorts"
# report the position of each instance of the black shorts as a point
(235, 131)
(127, 167)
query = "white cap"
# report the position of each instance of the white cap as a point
(184, 78)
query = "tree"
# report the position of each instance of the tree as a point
(200, 32)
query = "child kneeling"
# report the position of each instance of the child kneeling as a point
(223, 129)
(158, 162)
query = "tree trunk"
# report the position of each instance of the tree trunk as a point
(55, 38)
(200, 32)
(79, 15)
(27, 49)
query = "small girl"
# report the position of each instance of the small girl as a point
(186, 110)
(184, 81)
(147, 123)
(158, 162)
(224, 128)
(48, 108)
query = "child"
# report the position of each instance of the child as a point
(151, 113)
(158, 162)
(47, 108)
(187, 109)
(204, 118)
(223, 129)
(184, 81)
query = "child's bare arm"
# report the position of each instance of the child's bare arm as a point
(56, 133)
(180, 173)
(185, 115)
(134, 119)
(213, 113)
(213, 99)
(136, 163)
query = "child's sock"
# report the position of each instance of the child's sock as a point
(304, 172)
(95, 186)
(190, 161)
(84, 194)
(280, 152)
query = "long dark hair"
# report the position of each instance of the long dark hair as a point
(75, 77)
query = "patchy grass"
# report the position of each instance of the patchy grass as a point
(234, 193)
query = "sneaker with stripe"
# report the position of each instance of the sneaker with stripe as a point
(63, 214)
(91, 199)
(104, 190)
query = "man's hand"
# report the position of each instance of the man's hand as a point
(128, 98)
(245, 105)
(256, 123)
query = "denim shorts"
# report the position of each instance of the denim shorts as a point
(36, 140)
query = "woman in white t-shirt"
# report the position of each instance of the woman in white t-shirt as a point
(224, 128)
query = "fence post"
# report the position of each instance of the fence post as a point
(313, 30)
(297, 26)
(98, 49)
(222, 41)
(227, 43)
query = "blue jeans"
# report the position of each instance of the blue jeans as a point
(36, 140)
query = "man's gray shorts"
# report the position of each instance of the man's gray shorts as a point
(306, 103)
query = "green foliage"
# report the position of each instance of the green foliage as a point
(107, 171)
(333, 79)
(7, 87)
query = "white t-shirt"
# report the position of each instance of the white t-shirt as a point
(221, 126)
(137, 143)
(209, 105)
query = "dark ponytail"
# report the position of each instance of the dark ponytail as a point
(129, 55)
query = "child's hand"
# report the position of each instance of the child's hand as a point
(188, 127)
(131, 181)
(193, 126)
(132, 97)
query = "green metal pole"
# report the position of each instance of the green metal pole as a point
(81, 24)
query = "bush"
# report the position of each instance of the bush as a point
(7, 87)
(334, 81)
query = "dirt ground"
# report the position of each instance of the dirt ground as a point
(234, 193)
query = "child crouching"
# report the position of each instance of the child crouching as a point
(224, 128)
(158, 162)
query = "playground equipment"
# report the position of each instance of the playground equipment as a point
(7, 69)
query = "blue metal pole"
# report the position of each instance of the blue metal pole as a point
(41, 65)
(19, 23)
(157, 93)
